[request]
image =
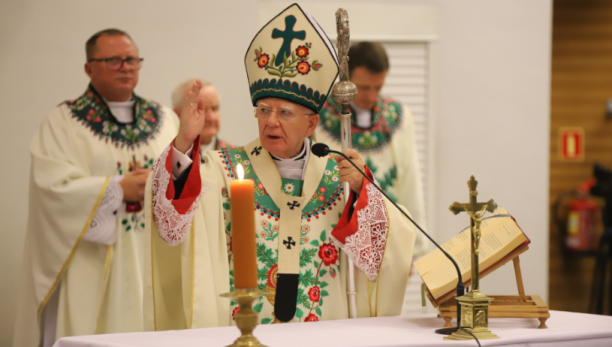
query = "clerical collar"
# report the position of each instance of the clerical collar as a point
(363, 117)
(122, 110)
(293, 167)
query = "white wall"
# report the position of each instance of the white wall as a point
(491, 91)
(41, 64)
(493, 97)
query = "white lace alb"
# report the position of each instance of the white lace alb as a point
(171, 225)
(103, 228)
(366, 247)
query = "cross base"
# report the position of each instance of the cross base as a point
(474, 317)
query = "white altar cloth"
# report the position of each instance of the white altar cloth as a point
(565, 329)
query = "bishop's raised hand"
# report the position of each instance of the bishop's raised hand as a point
(192, 119)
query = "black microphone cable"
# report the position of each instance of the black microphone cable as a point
(321, 149)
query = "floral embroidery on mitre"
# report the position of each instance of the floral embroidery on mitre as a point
(171, 225)
(366, 247)
(290, 66)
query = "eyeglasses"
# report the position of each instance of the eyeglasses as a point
(116, 63)
(264, 113)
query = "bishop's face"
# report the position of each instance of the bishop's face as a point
(283, 125)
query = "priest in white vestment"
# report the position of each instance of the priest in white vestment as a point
(83, 257)
(305, 228)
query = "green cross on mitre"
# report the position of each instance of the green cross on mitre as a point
(288, 35)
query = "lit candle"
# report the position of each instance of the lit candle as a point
(243, 231)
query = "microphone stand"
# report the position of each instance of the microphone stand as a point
(323, 149)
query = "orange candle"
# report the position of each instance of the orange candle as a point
(243, 231)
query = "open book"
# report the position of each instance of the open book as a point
(501, 238)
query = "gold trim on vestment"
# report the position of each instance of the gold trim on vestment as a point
(76, 244)
(109, 254)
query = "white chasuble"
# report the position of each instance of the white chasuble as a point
(75, 151)
(303, 229)
(388, 149)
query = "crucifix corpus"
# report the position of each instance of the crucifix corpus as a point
(474, 305)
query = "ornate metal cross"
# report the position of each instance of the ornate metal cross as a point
(288, 35)
(475, 210)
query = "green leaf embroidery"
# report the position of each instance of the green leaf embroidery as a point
(265, 255)
(274, 72)
(322, 273)
(306, 256)
(262, 274)
(307, 279)
(302, 298)
(323, 236)
(324, 284)
(299, 313)
(226, 206)
(266, 321)
(257, 308)
(318, 311)
(315, 243)
(324, 293)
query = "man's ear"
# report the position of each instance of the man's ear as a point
(313, 121)
(88, 70)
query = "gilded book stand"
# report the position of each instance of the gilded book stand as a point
(503, 306)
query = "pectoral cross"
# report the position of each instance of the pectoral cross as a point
(288, 35)
(475, 210)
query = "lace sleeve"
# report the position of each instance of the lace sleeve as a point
(363, 236)
(171, 224)
(103, 228)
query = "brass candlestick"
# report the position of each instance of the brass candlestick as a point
(474, 305)
(246, 317)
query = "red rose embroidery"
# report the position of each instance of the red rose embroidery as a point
(328, 254)
(314, 294)
(234, 312)
(311, 318)
(263, 59)
(303, 67)
(301, 51)
(322, 190)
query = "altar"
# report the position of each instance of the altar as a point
(565, 329)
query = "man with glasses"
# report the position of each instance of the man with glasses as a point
(382, 132)
(91, 157)
(304, 227)
(209, 140)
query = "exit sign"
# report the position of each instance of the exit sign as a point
(571, 144)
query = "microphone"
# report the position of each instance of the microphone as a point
(321, 150)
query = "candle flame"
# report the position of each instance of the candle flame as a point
(240, 171)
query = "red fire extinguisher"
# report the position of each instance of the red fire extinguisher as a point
(582, 221)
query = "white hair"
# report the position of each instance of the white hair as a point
(179, 93)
